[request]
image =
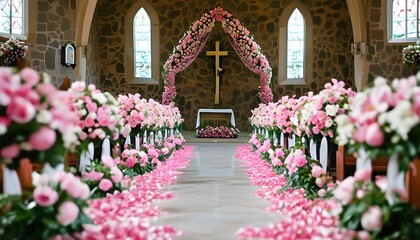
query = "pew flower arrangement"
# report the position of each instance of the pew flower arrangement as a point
(11, 51)
(366, 209)
(384, 120)
(37, 120)
(105, 177)
(55, 209)
(99, 114)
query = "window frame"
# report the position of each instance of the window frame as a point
(390, 28)
(129, 56)
(25, 22)
(283, 40)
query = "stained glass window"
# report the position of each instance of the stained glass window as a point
(11, 16)
(405, 19)
(295, 45)
(142, 45)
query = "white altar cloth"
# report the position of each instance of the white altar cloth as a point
(222, 110)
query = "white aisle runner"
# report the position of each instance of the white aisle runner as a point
(214, 198)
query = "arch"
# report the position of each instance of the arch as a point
(129, 43)
(308, 55)
(193, 41)
(358, 22)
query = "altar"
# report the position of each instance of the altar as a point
(215, 111)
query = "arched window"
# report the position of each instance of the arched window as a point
(142, 45)
(295, 50)
(13, 19)
(403, 20)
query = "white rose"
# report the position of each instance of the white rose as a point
(100, 97)
(44, 116)
(332, 110)
(3, 129)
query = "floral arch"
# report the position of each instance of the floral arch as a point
(195, 39)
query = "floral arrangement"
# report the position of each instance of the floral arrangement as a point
(316, 118)
(99, 114)
(105, 177)
(366, 210)
(384, 120)
(37, 121)
(55, 208)
(193, 41)
(11, 51)
(134, 162)
(217, 132)
(411, 55)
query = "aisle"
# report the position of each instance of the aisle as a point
(213, 198)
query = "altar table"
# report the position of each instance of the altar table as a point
(221, 110)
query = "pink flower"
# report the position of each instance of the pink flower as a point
(322, 192)
(381, 182)
(116, 175)
(319, 182)
(67, 213)
(10, 151)
(131, 161)
(43, 139)
(363, 235)
(164, 151)
(105, 184)
(108, 161)
(30, 76)
(344, 191)
(93, 175)
(45, 196)
(20, 110)
(374, 135)
(317, 171)
(372, 219)
(279, 152)
(363, 175)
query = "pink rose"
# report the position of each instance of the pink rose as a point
(300, 161)
(45, 196)
(67, 213)
(30, 76)
(322, 192)
(43, 139)
(374, 135)
(20, 110)
(372, 219)
(108, 161)
(317, 171)
(10, 151)
(381, 182)
(164, 151)
(363, 235)
(319, 182)
(93, 175)
(344, 191)
(363, 175)
(279, 152)
(105, 184)
(116, 175)
(131, 161)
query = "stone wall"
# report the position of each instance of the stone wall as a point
(385, 59)
(55, 26)
(239, 86)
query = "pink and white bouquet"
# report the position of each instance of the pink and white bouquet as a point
(37, 121)
(411, 55)
(134, 162)
(98, 112)
(316, 118)
(11, 51)
(366, 210)
(217, 132)
(384, 120)
(104, 177)
(55, 209)
(132, 109)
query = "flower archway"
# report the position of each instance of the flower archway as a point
(195, 39)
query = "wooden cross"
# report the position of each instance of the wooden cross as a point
(217, 53)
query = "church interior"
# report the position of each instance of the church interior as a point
(128, 47)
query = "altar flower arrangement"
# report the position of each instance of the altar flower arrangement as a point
(193, 41)
(104, 177)
(98, 112)
(55, 209)
(411, 55)
(366, 210)
(11, 51)
(37, 121)
(217, 132)
(384, 120)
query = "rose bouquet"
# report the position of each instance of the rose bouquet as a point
(105, 177)
(11, 51)
(37, 121)
(411, 55)
(366, 210)
(56, 208)
(99, 114)
(384, 121)
(134, 162)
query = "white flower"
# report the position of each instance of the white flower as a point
(332, 110)
(3, 129)
(44, 116)
(100, 97)
(46, 77)
(401, 119)
(380, 81)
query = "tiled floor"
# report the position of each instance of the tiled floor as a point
(213, 198)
